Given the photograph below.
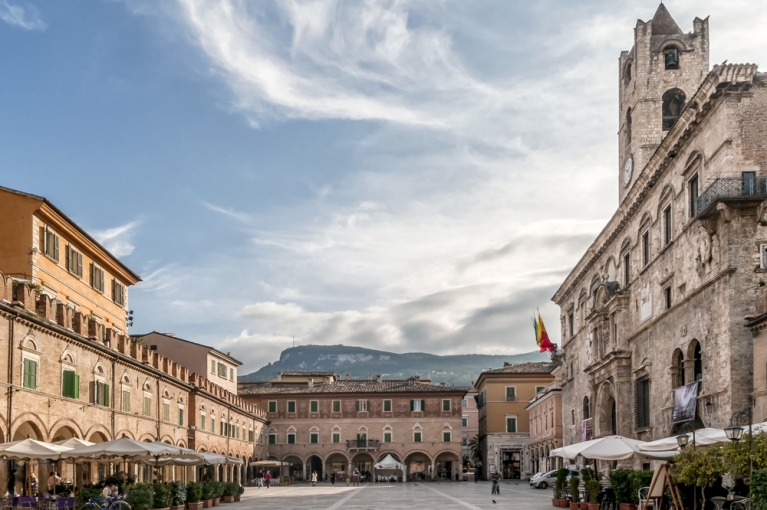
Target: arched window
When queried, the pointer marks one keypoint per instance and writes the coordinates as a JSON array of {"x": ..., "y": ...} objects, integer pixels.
[
  {"x": 671, "y": 57},
  {"x": 586, "y": 408},
  {"x": 673, "y": 104},
  {"x": 627, "y": 72},
  {"x": 698, "y": 369},
  {"x": 677, "y": 369},
  {"x": 628, "y": 126}
]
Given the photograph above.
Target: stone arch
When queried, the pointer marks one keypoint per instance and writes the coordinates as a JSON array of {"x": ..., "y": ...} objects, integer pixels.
[
  {"x": 607, "y": 418},
  {"x": 99, "y": 369},
  {"x": 626, "y": 244},
  {"x": 28, "y": 424},
  {"x": 68, "y": 356},
  {"x": 31, "y": 343},
  {"x": 627, "y": 70},
  {"x": 344, "y": 454},
  {"x": 147, "y": 437},
  {"x": 166, "y": 439},
  {"x": 586, "y": 407},
  {"x": 695, "y": 359},
  {"x": 65, "y": 428},
  {"x": 125, "y": 379},
  {"x": 677, "y": 369},
  {"x": 695, "y": 158},
  {"x": 125, "y": 433},
  {"x": 181, "y": 443},
  {"x": 674, "y": 101}
]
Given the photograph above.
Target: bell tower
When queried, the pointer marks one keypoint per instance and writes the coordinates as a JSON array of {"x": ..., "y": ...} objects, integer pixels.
[{"x": 656, "y": 78}]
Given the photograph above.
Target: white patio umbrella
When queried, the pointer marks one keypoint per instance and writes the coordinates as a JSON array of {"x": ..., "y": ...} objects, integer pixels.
[
  {"x": 126, "y": 448},
  {"x": 703, "y": 437},
  {"x": 32, "y": 449},
  {"x": 73, "y": 443},
  {"x": 603, "y": 448}
]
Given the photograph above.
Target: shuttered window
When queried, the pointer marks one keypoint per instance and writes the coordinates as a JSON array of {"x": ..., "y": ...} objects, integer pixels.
[
  {"x": 147, "y": 406},
  {"x": 292, "y": 406},
  {"x": 511, "y": 424},
  {"x": 642, "y": 402},
  {"x": 314, "y": 438},
  {"x": 416, "y": 437},
  {"x": 387, "y": 437},
  {"x": 165, "y": 412},
  {"x": 417, "y": 405},
  {"x": 125, "y": 401},
  {"x": 387, "y": 406},
  {"x": 100, "y": 393},
  {"x": 202, "y": 422},
  {"x": 272, "y": 438},
  {"x": 118, "y": 292},
  {"x": 272, "y": 406},
  {"x": 511, "y": 394},
  {"x": 336, "y": 437},
  {"x": 336, "y": 406},
  {"x": 212, "y": 425},
  {"x": 74, "y": 262},
  {"x": 446, "y": 405},
  {"x": 314, "y": 406},
  {"x": 50, "y": 244},
  {"x": 291, "y": 439},
  {"x": 97, "y": 278},
  {"x": 71, "y": 388},
  {"x": 363, "y": 405},
  {"x": 446, "y": 437},
  {"x": 29, "y": 378},
  {"x": 181, "y": 416}
]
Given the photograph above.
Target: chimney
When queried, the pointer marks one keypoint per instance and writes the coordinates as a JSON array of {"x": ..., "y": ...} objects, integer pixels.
[
  {"x": 279, "y": 376},
  {"x": 169, "y": 334},
  {"x": 379, "y": 378},
  {"x": 311, "y": 382},
  {"x": 348, "y": 377},
  {"x": 442, "y": 384},
  {"x": 506, "y": 364}
]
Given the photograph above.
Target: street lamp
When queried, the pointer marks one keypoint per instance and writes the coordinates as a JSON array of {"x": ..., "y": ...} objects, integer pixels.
[
  {"x": 734, "y": 431},
  {"x": 683, "y": 439}
]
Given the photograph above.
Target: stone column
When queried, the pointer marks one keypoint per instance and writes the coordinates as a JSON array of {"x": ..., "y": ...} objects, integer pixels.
[
  {"x": 349, "y": 470},
  {"x": 303, "y": 469},
  {"x": 433, "y": 469}
]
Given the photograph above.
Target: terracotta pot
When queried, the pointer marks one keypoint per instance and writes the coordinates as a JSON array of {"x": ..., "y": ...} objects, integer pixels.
[
  {"x": 593, "y": 506},
  {"x": 554, "y": 502},
  {"x": 237, "y": 497},
  {"x": 177, "y": 507},
  {"x": 629, "y": 506},
  {"x": 207, "y": 503},
  {"x": 584, "y": 505},
  {"x": 216, "y": 501},
  {"x": 228, "y": 499},
  {"x": 193, "y": 506},
  {"x": 575, "y": 506}
]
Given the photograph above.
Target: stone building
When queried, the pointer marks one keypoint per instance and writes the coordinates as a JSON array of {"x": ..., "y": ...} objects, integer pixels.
[
  {"x": 545, "y": 410},
  {"x": 68, "y": 366},
  {"x": 320, "y": 422},
  {"x": 658, "y": 299},
  {"x": 757, "y": 324},
  {"x": 504, "y": 420},
  {"x": 469, "y": 421}
]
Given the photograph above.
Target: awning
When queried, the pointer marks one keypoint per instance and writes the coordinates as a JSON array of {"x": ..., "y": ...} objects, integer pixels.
[{"x": 603, "y": 448}]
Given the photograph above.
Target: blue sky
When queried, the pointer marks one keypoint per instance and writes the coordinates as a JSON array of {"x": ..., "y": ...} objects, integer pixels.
[{"x": 402, "y": 175}]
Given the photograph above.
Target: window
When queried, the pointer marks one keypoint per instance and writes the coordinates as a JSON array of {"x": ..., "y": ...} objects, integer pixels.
[
  {"x": 363, "y": 405},
  {"x": 51, "y": 244},
  {"x": 231, "y": 374},
  {"x": 417, "y": 405},
  {"x": 646, "y": 248},
  {"x": 291, "y": 438},
  {"x": 97, "y": 278},
  {"x": 165, "y": 411},
  {"x": 291, "y": 406},
  {"x": 222, "y": 370},
  {"x": 251, "y": 436},
  {"x": 446, "y": 436},
  {"x": 465, "y": 440},
  {"x": 314, "y": 406},
  {"x": 749, "y": 183},
  {"x": 692, "y": 192},
  {"x": 212, "y": 367},
  {"x": 511, "y": 424},
  {"x": 118, "y": 292},
  {"x": 667, "y": 225},
  {"x": 626, "y": 269},
  {"x": 314, "y": 438},
  {"x": 445, "y": 405},
  {"x": 362, "y": 440},
  {"x": 673, "y": 105},
  {"x": 202, "y": 422},
  {"x": 125, "y": 401},
  {"x": 671, "y": 57},
  {"x": 511, "y": 394},
  {"x": 181, "y": 416},
  {"x": 212, "y": 425},
  {"x": 465, "y": 403},
  {"x": 387, "y": 406},
  {"x": 417, "y": 437},
  {"x": 642, "y": 402},
  {"x": 539, "y": 389},
  {"x": 667, "y": 296},
  {"x": 272, "y": 406},
  {"x": 336, "y": 437},
  {"x": 74, "y": 262},
  {"x": 71, "y": 386},
  {"x": 464, "y": 421},
  {"x": 571, "y": 323},
  {"x": 336, "y": 406},
  {"x": 100, "y": 393},
  {"x": 147, "y": 406},
  {"x": 272, "y": 438}
]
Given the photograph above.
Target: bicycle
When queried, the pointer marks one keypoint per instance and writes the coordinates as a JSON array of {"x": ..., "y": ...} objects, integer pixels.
[{"x": 100, "y": 503}]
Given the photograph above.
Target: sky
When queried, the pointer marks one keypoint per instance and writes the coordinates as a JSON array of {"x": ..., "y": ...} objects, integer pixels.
[{"x": 399, "y": 175}]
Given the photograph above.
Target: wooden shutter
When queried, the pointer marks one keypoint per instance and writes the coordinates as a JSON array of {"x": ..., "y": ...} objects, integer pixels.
[
  {"x": 642, "y": 402},
  {"x": 101, "y": 281},
  {"x": 358, "y": 406},
  {"x": 80, "y": 265},
  {"x": 77, "y": 386},
  {"x": 367, "y": 405},
  {"x": 93, "y": 275},
  {"x": 69, "y": 383},
  {"x": 92, "y": 390},
  {"x": 56, "y": 247},
  {"x": 106, "y": 395},
  {"x": 114, "y": 291},
  {"x": 412, "y": 405},
  {"x": 423, "y": 406}
]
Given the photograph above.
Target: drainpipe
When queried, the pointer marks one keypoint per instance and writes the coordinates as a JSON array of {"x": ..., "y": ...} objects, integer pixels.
[
  {"x": 113, "y": 401},
  {"x": 159, "y": 379},
  {"x": 11, "y": 341}
]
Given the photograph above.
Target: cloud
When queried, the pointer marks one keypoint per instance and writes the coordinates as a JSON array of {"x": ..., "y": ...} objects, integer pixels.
[
  {"x": 26, "y": 17},
  {"x": 118, "y": 239}
]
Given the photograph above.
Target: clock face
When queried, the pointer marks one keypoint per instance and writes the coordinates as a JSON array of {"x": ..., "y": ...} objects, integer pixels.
[{"x": 627, "y": 169}]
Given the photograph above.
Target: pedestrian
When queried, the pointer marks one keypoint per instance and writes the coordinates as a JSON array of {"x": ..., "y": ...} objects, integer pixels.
[
  {"x": 314, "y": 478},
  {"x": 476, "y": 474},
  {"x": 12, "y": 483},
  {"x": 53, "y": 481},
  {"x": 33, "y": 484},
  {"x": 356, "y": 477},
  {"x": 347, "y": 480},
  {"x": 496, "y": 483},
  {"x": 260, "y": 479},
  {"x": 267, "y": 479},
  {"x": 333, "y": 478}
]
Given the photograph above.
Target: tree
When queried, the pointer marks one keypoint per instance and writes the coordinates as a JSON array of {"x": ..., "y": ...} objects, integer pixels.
[
  {"x": 475, "y": 448},
  {"x": 697, "y": 467}
]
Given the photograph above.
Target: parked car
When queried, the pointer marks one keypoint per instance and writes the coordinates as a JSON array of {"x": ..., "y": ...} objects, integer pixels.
[{"x": 546, "y": 480}]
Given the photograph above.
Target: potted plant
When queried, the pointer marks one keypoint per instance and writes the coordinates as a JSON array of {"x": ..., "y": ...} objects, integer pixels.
[
  {"x": 620, "y": 479},
  {"x": 557, "y": 494},
  {"x": 561, "y": 483},
  {"x": 208, "y": 493},
  {"x": 575, "y": 495},
  {"x": 229, "y": 490},
  {"x": 240, "y": 492},
  {"x": 85, "y": 493},
  {"x": 592, "y": 493},
  {"x": 193, "y": 496},
  {"x": 177, "y": 495},
  {"x": 140, "y": 496},
  {"x": 218, "y": 490},
  {"x": 160, "y": 496},
  {"x": 637, "y": 480}
]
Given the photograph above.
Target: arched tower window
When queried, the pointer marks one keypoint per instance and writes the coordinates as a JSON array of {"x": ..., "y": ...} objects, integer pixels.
[
  {"x": 586, "y": 408},
  {"x": 673, "y": 104},
  {"x": 628, "y": 126},
  {"x": 677, "y": 369},
  {"x": 627, "y": 72},
  {"x": 671, "y": 57},
  {"x": 697, "y": 356}
]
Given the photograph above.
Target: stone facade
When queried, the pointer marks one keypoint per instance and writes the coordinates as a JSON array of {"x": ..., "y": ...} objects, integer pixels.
[
  {"x": 545, "y": 410},
  {"x": 657, "y": 301},
  {"x": 469, "y": 420},
  {"x": 336, "y": 425}
]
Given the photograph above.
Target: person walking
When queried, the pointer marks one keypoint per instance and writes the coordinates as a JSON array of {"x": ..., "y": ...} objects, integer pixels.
[
  {"x": 314, "y": 478},
  {"x": 267, "y": 479},
  {"x": 476, "y": 474},
  {"x": 356, "y": 477},
  {"x": 260, "y": 479},
  {"x": 496, "y": 483},
  {"x": 333, "y": 478}
]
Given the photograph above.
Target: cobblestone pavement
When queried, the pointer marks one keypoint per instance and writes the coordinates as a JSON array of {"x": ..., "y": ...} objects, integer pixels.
[{"x": 410, "y": 496}]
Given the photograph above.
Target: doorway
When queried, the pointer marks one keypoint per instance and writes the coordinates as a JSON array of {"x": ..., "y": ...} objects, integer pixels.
[{"x": 512, "y": 464}]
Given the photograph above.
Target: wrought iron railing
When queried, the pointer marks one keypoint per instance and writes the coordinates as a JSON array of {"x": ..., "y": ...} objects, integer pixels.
[
  {"x": 362, "y": 444},
  {"x": 732, "y": 188}
]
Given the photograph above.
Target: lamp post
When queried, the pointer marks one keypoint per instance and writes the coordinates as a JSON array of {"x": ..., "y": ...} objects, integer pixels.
[
  {"x": 683, "y": 439},
  {"x": 734, "y": 431}
]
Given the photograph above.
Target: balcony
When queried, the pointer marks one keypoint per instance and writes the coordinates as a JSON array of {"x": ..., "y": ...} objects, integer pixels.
[
  {"x": 363, "y": 444},
  {"x": 743, "y": 188}
]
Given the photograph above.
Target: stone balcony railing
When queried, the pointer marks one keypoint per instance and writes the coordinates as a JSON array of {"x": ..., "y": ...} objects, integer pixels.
[
  {"x": 368, "y": 444},
  {"x": 745, "y": 187}
]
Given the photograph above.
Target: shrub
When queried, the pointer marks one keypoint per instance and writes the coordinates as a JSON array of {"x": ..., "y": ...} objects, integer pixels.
[
  {"x": 240, "y": 489},
  {"x": 639, "y": 479},
  {"x": 229, "y": 489},
  {"x": 758, "y": 490},
  {"x": 559, "y": 485},
  {"x": 194, "y": 492},
  {"x": 85, "y": 493},
  {"x": 575, "y": 496},
  {"x": 177, "y": 493},
  {"x": 121, "y": 479},
  {"x": 208, "y": 490},
  {"x": 161, "y": 495},
  {"x": 592, "y": 491},
  {"x": 140, "y": 496},
  {"x": 621, "y": 482},
  {"x": 218, "y": 489}
]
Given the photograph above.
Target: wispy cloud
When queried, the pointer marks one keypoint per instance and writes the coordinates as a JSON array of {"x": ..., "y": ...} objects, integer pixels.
[
  {"x": 118, "y": 239},
  {"x": 228, "y": 211},
  {"x": 26, "y": 16}
]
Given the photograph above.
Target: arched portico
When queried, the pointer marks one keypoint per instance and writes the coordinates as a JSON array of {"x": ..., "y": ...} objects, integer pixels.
[
  {"x": 419, "y": 465},
  {"x": 338, "y": 462},
  {"x": 447, "y": 465}
]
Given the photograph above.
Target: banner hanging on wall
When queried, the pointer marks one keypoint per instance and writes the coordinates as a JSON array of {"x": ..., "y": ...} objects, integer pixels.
[{"x": 685, "y": 403}]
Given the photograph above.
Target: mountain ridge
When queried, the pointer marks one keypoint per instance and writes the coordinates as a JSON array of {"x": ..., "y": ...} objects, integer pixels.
[{"x": 364, "y": 363}]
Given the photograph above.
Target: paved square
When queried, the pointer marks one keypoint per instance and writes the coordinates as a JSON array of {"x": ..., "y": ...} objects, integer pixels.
[{"x": 410, "y": 496}]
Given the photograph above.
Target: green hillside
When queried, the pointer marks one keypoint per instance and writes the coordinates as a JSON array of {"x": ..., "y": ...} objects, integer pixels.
[{"x": 360, "y": 362}]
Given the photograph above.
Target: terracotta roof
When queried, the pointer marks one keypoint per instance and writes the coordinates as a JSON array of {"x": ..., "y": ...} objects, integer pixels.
[
  {"x": 307, "y": 374},
  {"x": 531, "y": 367},
  {"x": 351, "y": 386},
  {"x": 663, "y": 23}
]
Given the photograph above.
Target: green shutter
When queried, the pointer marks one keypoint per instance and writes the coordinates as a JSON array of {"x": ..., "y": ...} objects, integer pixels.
[
  {"x": 77, "y": 387},
  {"x": 423, "y": 406},
  {"x": 412, "y": 405},
  {"x": 358, "y": 405},
  {"x": 368, "y": 406},
  {"x": 30, "y": 374},
  {"x": 69, "y": 384},
  {"x": 106, "y": 395}
]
